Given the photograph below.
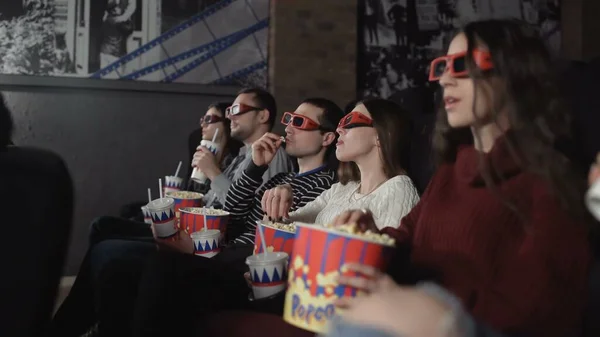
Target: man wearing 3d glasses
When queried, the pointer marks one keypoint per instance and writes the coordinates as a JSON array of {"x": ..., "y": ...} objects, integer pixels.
[
  {"x": 252, "y": 114},
  {"x": 183, "y": 288}
]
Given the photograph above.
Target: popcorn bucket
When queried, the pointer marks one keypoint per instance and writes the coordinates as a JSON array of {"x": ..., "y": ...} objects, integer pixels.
[
  {"x": 206, "y": 242},
  {"x": 267, "y": 273},
  {"x": 185, "y": 199},
  {"x": 320, "y": 255},
  {"x": 192, "y": 219},
  {"x": 172, "y": 184},
  {"x": 163, "y": 217},
  {"x": 277, "y": 238}
]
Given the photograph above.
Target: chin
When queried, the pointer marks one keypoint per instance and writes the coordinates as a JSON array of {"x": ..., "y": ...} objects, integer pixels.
[
  {"x": 457, "y": 122},
  {"x": 341, "y": 156}
]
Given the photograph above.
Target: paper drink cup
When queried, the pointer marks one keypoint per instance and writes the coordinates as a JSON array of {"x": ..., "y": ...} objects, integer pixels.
[
  {"x": 172, "y": 184},
  {"x": 267, "y": 273},
  {"x": 147, "y": 215},
  {"x": 213, "y": 147},
  {"x": 206, "y": 242},
  {"x": 163, "y": 217}
]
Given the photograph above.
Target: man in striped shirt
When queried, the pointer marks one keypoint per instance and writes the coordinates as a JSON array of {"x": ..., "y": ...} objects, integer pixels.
[
  {"x": 184, "y": 288},
  {"x": 304, "y": 140}
]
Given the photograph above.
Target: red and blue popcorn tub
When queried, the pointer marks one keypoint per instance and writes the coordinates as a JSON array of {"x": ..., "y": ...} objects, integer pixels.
[
  {"x": 185, "y": 199},
  {"x": 192, "y": 219},
  {"x": 319, "y": 256},
  {"x": 277, "y": 239}
]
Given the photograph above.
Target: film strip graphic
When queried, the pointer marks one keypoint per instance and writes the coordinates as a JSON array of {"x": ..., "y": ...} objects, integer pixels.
[{"x": 203, "y": 53}]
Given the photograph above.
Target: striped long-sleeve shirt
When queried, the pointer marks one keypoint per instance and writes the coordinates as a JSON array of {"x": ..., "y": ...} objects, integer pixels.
[{"x": 243, "y": 200}]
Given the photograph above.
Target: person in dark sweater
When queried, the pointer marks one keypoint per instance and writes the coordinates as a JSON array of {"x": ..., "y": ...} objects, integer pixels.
[
  {"x": 176, "y": 280},
  {"x": 502, "y": 224}
]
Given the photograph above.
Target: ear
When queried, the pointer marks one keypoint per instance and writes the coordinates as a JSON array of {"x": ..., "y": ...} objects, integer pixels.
[
  {"x": 328, "y": 139},
  {"x": 263, "y": 116}
]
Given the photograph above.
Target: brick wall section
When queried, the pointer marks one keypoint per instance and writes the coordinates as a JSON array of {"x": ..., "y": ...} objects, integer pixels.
[{"x": 312, "y": 50}]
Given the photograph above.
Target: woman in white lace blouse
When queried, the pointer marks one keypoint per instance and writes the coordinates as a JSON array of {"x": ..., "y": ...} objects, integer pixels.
[{"x": 373, "y": 149}]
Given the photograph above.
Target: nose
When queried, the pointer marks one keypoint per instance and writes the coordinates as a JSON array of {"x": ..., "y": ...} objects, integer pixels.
[
  {"x": 289, "y": 128},
  {"x": 446, "y": 79},
  {"x": 340, "y": 131}
]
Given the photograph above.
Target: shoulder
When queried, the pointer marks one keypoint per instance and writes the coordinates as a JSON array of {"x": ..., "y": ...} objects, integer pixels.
[
  {"x": 400, "y": 183},
  {"x": 318, "y": 180},
  {"x": 325, "y": 178}
]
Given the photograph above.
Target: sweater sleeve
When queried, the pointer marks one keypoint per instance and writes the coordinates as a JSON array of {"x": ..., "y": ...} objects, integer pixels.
[
  {"x": 544, "y": 269},
  {"x": 308, "y": 213}
]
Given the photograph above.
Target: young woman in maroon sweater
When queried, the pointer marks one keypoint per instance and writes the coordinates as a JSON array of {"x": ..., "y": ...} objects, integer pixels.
[{"x": 502, "y": 222}]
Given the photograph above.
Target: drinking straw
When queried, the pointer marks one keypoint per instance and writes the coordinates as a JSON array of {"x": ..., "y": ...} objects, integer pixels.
[
  {"x": 262, "y": 239},
  {"x": 160, "y": 191},
  {"x": 149, "y": 195},
  {"x": 178, "y": 168},
  {"x": 215, "y": 136},
  {"x": 204, "y": 213}
]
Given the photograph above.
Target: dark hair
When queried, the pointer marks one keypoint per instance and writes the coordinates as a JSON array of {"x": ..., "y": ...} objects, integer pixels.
[
  {"x": 394, "y": 127},
  {"x": 264, "y": 100},
  {"x": 350, "y": 106},
  {"x": 233, "y": 146},
  {"x": 329, "y": 119},
  {"x": 537, "y": 115},
  {"x": 6, "y": 124}
]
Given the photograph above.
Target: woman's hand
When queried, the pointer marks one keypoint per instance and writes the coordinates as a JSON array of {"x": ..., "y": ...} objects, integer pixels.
[
  {"x": 362, "y": 218},
  {"x": 370, "y": 281},
  {"x": 406, "y": 311}
]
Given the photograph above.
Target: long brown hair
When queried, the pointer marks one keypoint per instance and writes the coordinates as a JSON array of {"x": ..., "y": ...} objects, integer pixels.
[
  {"x": 393, "y": 126},
  {"x": 537, "y": 116}
]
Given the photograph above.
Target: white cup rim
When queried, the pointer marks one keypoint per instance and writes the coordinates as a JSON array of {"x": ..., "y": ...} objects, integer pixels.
[
  {"x": 272, "y": 258},
  {"x": 152, "y": 205},
  {"x": 205, "y": 233}
]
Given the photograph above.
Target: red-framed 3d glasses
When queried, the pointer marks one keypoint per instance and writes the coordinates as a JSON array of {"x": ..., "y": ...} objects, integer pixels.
[
  {"x": 240, "y": 109},
  {"x": 456, "y": 64},
  {"x": 210, "y": 119},
  {"x": 301, "y": 122},
  {"x": 355, "y": 119}
]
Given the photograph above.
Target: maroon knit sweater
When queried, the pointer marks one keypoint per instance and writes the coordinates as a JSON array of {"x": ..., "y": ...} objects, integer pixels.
[{"x": 527, "y": 277}]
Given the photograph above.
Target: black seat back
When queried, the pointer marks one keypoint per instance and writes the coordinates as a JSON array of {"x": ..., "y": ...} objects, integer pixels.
[{"x": 36, "y": 210}]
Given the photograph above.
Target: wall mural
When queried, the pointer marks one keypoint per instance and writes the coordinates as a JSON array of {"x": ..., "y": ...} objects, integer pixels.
[
  {"x": 401, "y": 37},
  {"x": 183, "y": 41}
]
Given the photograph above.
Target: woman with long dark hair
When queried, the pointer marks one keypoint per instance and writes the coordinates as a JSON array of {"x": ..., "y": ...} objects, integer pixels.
[
  {"x": 373, "y": 149},
  {"x": 502, "y": 224}
]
